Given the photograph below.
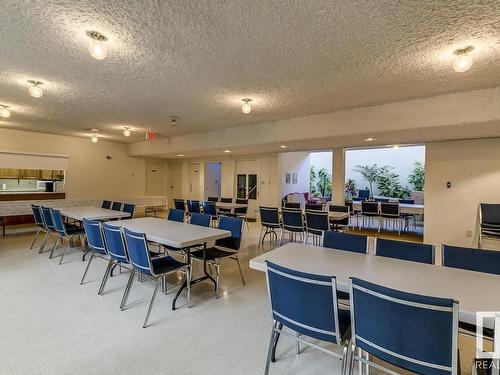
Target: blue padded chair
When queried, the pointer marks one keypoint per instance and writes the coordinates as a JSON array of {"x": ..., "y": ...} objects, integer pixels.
[
  {"x": 412, "y": 251},
  {"x": 64, "y": 232},
  {"x": 363, "y": 194},
  {"x": 225, "y": 211},
  {"x": 106, "y": 204},
  {"x": 414, "y": 332},
  {"x": 307, "y": 304},
  {"x": 193, "y": 206},
  {"x": 129, "y": 208},
  {"x": 487, "y": 261},
  {"x": 293, "y": 222},
  {"x": 154, "y": 269},
  {"x": 180, "y": 204},
  {"x": 203, "y": 220},
  {"x": 115, "y": 246},
  {"x": 292, "y": 205},
  {"x": 340, "y": 223},
  {"x": 270, "y": 221},
  {"x": 95, "y": 242},
  {"x": 209, "y": 208},
  {"x": 224, "y": 248},
  {"x": 489, "y": 221},
  {"x": 316, "y": 223},
  {"x": 175, "y": 215},
  {"x": 315, "y": 206},
  {"x": 369, "y": 211},
  {"x": 40, "y": 225},
  {"x": 345, "y": 241},
  {"x": 407, "y": 201},
  {"x": 49, "y": 225},
  {"x": 242, "y": 211},
  {"x": 213, "y": 199},
  {"x": 116, "y": 206}
]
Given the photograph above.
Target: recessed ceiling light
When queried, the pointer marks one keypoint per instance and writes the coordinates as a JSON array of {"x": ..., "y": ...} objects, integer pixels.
[
  {"x": 35, "y": 90},
  {"x": 395, "y": 147},
  {"x": 246, "y": 107},
  {"x": 283, "y": 146},
  {"x": 126, "y": 132},
  {"x": 94, "y": 138},
  {"x": 180, "y": 155},
  {"x": 464, "y": 60},
  {"x": 4, "y": 112},
  {"x": 227, "y": 151},
  {"x": 97, "y": 49},
  {"x": 369, "y": 139}
]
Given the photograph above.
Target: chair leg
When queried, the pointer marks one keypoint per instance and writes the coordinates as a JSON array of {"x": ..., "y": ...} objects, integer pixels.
[
  {"x": 269, "y": 351},
  {"x": 127, "y": 290},
  {"x": 217, "y": 279},
  {"x": 64, "y": 251},
  {"x": 105, "y": 277},
  {"x": 246, "y": 222},
  {"x": 297, "y": 345},
  {"x": 34, "y": 239},
  {"x": 55, "y": 246},
  {"x": 281, "y": 237},
  {"x": 151, "y": 304},
  {"x": 188, "y": 277},
  {"x": 239, "y": 268},
  {"x": 45, "y": 239},
  {"x": 87, "y": 268},
  {"x": 260, "y": 236}
]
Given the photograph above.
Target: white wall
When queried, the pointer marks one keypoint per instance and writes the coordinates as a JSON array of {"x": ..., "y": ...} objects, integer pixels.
[
  {"x": 402, "y": 159},
  {"x": 294, "y": 162},
  {"x": 473, "y": 168},
  {"x": 89, "y": 174}
]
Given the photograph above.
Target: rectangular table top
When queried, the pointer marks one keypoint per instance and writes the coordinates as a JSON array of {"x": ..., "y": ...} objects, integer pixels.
[
  {"x": 475, "y": 291},
  {"x": 92, "y": 213},
  {"x": 172, "y": 233},
  {"x": 404, "y": 208},
  {"x": 229, "y": 205}
]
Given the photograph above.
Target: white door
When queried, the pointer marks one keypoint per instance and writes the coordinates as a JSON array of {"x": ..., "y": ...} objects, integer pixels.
[
  {"x": 175, "y": 183},
  {"x": 154, "y": 179},
  {"x": 212, "y": 179},
  {"x": 194, "y": 181},
  {"x": 247, "y": 184}
]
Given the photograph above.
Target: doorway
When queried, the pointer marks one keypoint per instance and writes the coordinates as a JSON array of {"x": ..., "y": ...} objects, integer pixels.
[
  {"x": 154, "y": 179},
  {"x": 194, "y": 181},
  {"x": 247, "y": 184},
  {"x": 212, "y": 179}
]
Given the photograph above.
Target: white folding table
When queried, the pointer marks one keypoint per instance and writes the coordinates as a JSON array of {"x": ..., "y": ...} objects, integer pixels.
[
  {"x": 475, "y": 291},
  {"x": 91, "y": 213},
  {"x": 229, "y": 205},
  {"x": 178, "y": 235}
]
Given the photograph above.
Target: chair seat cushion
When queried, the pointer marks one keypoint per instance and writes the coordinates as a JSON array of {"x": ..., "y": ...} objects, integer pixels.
[
  {"x": 166, "y": 264},
  {"x": 212, "y": 253},
  {"x": 73, "y": 229}
]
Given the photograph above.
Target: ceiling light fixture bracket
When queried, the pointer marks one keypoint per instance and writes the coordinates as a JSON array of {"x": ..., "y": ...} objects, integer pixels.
[
  {"x": 96, "y": 36},
  {"x": 463, "y": 51}
]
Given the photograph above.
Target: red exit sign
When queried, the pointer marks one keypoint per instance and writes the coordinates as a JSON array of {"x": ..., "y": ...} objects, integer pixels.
[{"x": 151, "y": 135}]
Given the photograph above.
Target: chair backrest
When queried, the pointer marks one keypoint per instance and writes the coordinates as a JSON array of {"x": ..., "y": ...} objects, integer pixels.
[
  {"x": 314, "y": 206},
  {"x": 106, "y": 204},
  {"x": 235, "y": 226},
  {"x": 490, "y": 213},
  {"x": 129, "y": 208},
  {"x": 241, "y": 210},
  {"x": 203, "y": 220},
  {"x": 175, "y": 214},
  {"x": 47, "y": 218},
  {"x": 209, "y": 208},
  {"x": 269, "y": 216},
  {"x": 407, "y": 201},
  {"x": 37, "y": 215},
  {"x": 180, "y": 204},
  {"x": 114, "y": 243},
  {"x": 226, "y": 200},
  {"x": 116, "y": 206},
  {"x": 384, "y": 200},
  {"x": 349, "y": 204},
  {"x": 335, "y": 208},
  {"x": 213, "y": 199},
  {"x": 412, "y": 251},
  {"x": 471, "y": 259},
  {"x": 389, "y": 209},
  {"x": 193, "y": 206},
  {"x": 57, "y": 221},
  {"x": 363, "y": 194},
  {"x": 292, "y": 205},
  {"x": 415, "y": 332},
  {"x": 303, "y": 302},
  {"x": 292, "y": 219},
  {"x": 138, "y": 251},
  {"x": 369, "y": 207},
  {"x": 345, "y": 241},
  {"x": 317, "y": 221},
  {"x": 94, "y": 235}
]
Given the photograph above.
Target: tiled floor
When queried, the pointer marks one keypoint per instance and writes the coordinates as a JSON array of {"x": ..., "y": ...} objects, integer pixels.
[{"x": 49, "y": 324}]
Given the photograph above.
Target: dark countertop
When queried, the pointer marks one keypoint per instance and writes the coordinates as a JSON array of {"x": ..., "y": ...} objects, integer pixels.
[{"x": 30, "y": 195}]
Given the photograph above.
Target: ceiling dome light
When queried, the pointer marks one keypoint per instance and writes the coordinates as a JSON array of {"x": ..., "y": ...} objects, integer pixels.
[
  {"x": 126, "y": 132},
  {"x": 94, "y": 138},
  {"x": 464, "y": 60},
  {"x": 246, "y": 107},
  {"x": 4, "y": 112},
  {"x": 97, "y": 48},
  {"x": 395, "y": 147},
  {"x": 283, "y": 146},
  {"x": 227, "y": 151},
  {"x": 35, "y": 90}
]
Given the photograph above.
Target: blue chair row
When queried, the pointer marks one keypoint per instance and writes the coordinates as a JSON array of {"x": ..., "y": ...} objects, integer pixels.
[
  {"x": 50, "y": 221},
  {"x": 118, "y": 206},
  {"x": 414, "y": 332}
]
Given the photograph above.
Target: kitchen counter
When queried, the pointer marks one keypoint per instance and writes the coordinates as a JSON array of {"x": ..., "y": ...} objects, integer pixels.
[{"x": 30, "y": 195}]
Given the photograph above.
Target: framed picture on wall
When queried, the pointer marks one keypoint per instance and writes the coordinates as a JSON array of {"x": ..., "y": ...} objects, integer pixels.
[
  {"x": 288, "y": 178},
  {"x": 295, "y": 178}
]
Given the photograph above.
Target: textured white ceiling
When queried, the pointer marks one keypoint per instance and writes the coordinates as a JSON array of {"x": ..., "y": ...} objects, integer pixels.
[{"x": 197, "y": 59}]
